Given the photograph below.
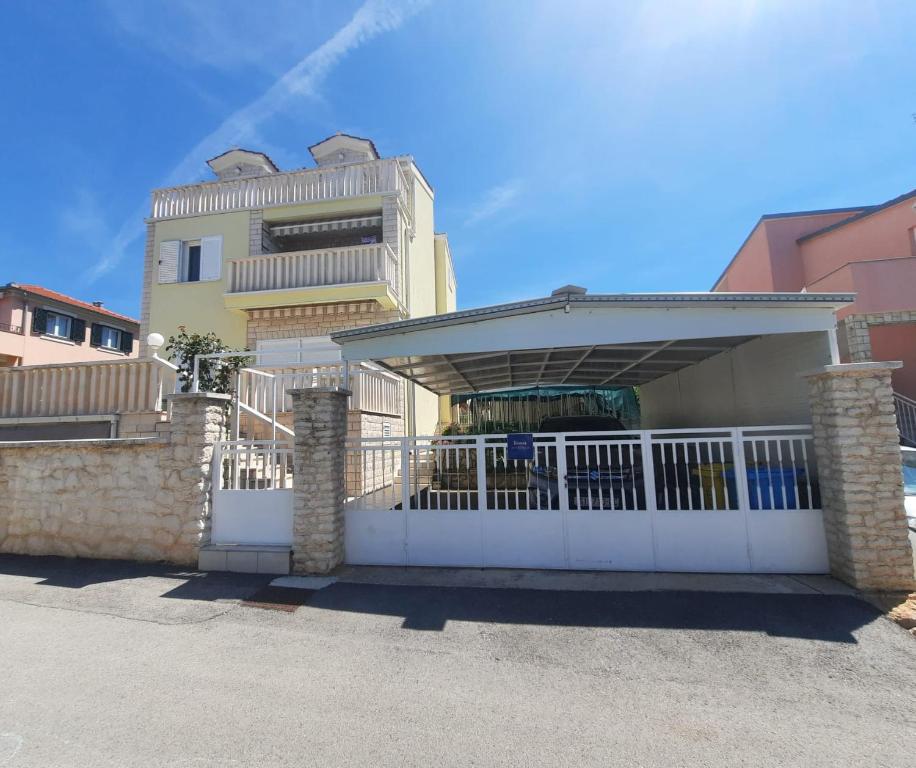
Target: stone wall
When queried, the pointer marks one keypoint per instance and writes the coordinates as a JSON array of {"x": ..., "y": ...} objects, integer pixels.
[
  {"x": 858, "y": 456},
  {"x": 143, "y": 424},
  {"x": 371, "y": 471},
  {"x": 146, "y": 290},
  {"x": 320, "y": 478},
  {"x": 854, "y": 331},
  {"x": 136, "y": 499}
]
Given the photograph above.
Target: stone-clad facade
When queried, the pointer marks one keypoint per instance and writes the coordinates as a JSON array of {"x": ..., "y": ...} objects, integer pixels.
[
  {"x": 314, "y": 320},
  {"x": 319, "y": 469},
  {"x": 137, "y": 499},
  {"x": 858, "y": 456}
]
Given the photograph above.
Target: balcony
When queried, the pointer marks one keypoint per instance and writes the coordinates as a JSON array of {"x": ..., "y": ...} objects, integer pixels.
[
  {"x": 378, "y": 177},
  {"x": 360, "y": 272},
  {"x": 12, "y": 343}
]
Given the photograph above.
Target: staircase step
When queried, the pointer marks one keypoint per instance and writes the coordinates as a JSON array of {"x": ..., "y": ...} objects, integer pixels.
[{"x": 245, "y": 558}]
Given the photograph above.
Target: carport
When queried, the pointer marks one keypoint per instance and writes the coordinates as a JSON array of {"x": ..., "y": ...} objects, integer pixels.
[{"x": 721, "y": 476}]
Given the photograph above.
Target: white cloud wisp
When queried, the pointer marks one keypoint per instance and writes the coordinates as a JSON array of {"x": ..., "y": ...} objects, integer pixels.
[{"x": 373, "y": 18}]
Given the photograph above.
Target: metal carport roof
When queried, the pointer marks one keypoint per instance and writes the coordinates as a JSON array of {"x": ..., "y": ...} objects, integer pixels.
[{"x": 574, "y": 338}]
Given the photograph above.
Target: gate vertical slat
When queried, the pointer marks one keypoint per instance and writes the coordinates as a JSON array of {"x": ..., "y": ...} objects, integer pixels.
[
  {"x": 562, "y": 492},
  {"x": 648, "y": 479},
  {"x": 405, "y": 475},
  {"x": 741, "y": 485},
  {"x": 480, "y": 447}
]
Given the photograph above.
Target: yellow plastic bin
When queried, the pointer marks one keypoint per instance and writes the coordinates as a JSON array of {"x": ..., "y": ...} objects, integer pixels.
[{"x": 712, "y": 484}]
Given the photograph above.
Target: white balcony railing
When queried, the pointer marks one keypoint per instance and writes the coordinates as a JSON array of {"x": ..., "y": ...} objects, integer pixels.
[
  {"x": 306, "y": 186},
  {"x": 374, "y": 390},
  {"x": 906, "y": 418},
  {"x": 306, "y": 269},
  {"x": 84, "y": 389}
]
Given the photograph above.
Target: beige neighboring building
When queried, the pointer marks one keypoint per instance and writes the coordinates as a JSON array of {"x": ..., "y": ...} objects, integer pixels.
[
  {"x": 274, "y": 261},
  {"x": 39, "y": 326}
]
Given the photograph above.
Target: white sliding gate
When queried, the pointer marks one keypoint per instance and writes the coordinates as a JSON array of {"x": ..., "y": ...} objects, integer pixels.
[
  {"x": 728, "y": 500},
  {"x": 252, "y": 492}
]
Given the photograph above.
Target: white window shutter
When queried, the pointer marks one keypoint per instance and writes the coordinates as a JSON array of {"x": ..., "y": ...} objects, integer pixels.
[
  {"x": 211, "y": 257},
  {"x": 168, "y": 260}
]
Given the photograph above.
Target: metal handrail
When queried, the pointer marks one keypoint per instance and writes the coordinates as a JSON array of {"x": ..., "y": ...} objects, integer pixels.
[
  {"x": 906, "y": 417},
  {"x": 17, "y": 329}
]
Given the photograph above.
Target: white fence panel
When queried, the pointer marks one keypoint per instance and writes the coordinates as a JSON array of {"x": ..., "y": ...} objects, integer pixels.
[
  {"x": 708, "y": 500},
  {"x": 785, "y": 522}
]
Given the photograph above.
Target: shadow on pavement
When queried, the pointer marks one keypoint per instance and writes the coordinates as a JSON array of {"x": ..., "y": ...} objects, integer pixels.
[
  {"x": 831, "y": 618},
  {"x": 77, "y": 573}
]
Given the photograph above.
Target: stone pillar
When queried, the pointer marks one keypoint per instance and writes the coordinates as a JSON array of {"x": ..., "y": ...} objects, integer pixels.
[
  {"x": 198, "y": 423},
  {"x": 319, "y": 478},
  {"x": 858, "y": 458}
]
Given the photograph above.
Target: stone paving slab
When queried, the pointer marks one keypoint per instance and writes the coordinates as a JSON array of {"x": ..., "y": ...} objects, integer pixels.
[{"x": 592, "y": 581}]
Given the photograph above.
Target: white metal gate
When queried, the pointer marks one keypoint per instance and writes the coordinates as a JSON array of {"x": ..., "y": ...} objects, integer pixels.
[
  {"x": 252, "y": 493},
  {"x": 728, "y": 500}
]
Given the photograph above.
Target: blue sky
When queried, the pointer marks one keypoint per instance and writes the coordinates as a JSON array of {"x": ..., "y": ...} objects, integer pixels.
[{"x": 617, "y": 145}]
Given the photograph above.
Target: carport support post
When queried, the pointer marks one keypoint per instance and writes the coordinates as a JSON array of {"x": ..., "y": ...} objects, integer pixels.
[
  {"x": 319, "y": 478},
  {"x": 858, "y": 459}
]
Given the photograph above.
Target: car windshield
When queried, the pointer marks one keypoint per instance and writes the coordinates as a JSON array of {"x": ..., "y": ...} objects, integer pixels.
[{"x": 909, "y": 472}]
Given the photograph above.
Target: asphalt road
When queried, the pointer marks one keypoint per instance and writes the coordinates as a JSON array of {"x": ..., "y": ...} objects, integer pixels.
[{"x": 117, "y": 665}]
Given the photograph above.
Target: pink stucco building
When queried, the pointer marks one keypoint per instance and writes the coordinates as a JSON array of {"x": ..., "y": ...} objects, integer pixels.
[
  {"x": 870, "y": 250},
  {"x": 39, "y": 326}
]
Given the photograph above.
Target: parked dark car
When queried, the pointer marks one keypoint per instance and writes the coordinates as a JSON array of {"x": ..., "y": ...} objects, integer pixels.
[{"x": 605, "y": 477}]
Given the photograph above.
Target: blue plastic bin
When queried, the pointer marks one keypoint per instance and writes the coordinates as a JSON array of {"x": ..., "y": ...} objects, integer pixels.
[{"x": 777, "y": 487}]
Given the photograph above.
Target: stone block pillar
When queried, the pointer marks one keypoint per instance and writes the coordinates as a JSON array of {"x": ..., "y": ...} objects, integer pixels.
[
  {"x": 858, "y": 458},
  {"x": 319, "y": 478},
  {"x": 198, "y": 422}
]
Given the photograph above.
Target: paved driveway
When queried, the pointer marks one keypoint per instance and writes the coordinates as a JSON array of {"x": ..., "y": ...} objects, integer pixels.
[{"x": 119, "y": 665}]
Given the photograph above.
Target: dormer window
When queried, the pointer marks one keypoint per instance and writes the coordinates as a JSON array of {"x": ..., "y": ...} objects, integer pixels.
[
  {"x": 241, "y": 162},
  {"x": 341, "y": 148}
]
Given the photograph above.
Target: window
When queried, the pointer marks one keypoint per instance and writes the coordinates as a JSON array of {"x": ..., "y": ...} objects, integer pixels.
[
  {"x": 189, "y": 269},
  {"x": 191, "y": 261},
  {"x": 111, "y": 338},
  {"x": 57, "y": 325},
  {"x": 47, "y": 322}
]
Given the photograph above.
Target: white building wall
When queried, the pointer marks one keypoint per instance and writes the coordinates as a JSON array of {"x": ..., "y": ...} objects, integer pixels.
[
  {"x": 422, "y": 264},
  {"x": 757, "y": 383}
]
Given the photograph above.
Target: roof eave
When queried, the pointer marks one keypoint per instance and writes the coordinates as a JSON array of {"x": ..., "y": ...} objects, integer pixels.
[{"x": 776, "y": 300}]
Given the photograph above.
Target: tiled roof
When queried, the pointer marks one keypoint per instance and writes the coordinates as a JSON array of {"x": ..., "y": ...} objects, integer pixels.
[{"x": 47, "y": 293}]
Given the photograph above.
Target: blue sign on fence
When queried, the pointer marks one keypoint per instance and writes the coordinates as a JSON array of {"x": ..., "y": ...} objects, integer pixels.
[{"x": 520, "y": 447}]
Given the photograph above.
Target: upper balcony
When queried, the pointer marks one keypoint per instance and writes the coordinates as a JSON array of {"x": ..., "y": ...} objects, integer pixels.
[
  {"x": 315, "y": 277},
  {"x": 12, "y": 342},
  {"x": 375, "y": 177}
]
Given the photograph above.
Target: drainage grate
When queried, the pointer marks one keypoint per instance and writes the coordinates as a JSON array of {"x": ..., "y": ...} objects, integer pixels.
[{"x": 278, "y": 598}]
